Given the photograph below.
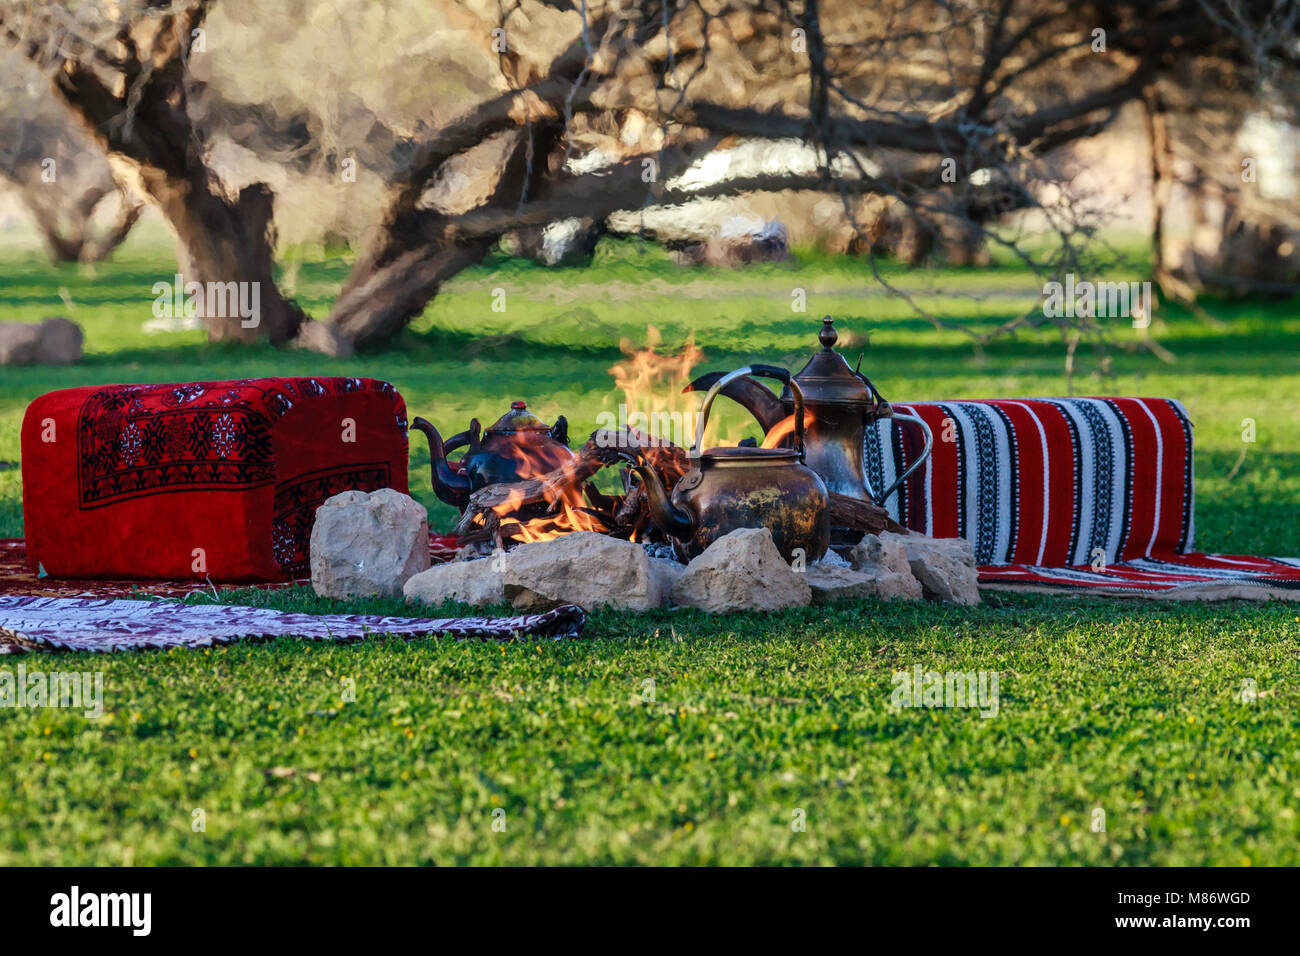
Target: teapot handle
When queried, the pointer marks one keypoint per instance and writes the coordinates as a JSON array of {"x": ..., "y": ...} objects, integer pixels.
[
  {"x": 920, "y": 459},
  {"x": 764, "y": 371}
]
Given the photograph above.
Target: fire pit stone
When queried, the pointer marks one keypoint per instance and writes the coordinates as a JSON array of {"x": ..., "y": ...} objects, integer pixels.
[
  {"x": 475, "y": 582},
  {"x": 880, "y": 553},
  {"x": 831, "y": 583},
  {"x": 368, "y": 544},
  {"x": 741, "y": 571},
  {"x": 583, "y": 568},
  {"x": 944, "y": 566}
]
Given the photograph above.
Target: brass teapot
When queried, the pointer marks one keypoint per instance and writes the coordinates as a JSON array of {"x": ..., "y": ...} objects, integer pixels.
[
  {"x": 518, "y": 445},
  {"x": 841, "y": 403},
  {"x": 744, "y": 487}
]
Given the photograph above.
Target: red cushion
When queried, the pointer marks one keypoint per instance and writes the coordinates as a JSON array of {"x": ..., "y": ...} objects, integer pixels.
[{"x": 217, "y": 480}]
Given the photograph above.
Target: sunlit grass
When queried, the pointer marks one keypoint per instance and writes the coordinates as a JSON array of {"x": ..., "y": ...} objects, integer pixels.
[{"x": 1134, "y": 710}]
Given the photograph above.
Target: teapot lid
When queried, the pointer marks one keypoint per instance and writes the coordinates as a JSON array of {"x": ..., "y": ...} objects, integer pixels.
[
  {"x": 518, "y": 419},
  {"x": 827, "y": 378}
]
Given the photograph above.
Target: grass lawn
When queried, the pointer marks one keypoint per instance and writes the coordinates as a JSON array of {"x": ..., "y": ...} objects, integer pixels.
[{"x": 755, "y": 722}]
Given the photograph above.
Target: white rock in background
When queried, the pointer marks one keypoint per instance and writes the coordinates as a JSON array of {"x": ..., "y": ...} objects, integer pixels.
[
  {"x": 944, "y": 566},
  {"x": 52, "y": 341},
  {"x": 741, "y": 571},
  {"x": 583, "y": 568},
  {"x": 832, "y": 558},
  {"x": 469, "y": 582},
  {"x": 364, "y": 545}
]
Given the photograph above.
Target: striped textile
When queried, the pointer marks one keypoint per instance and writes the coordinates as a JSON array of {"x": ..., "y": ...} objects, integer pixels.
[{"x": 1061, "y": 492}]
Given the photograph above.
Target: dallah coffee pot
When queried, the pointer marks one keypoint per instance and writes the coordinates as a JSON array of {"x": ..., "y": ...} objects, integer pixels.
[
  {"x": 518, "y": 445},
  {"x": 841, "y": 403}
]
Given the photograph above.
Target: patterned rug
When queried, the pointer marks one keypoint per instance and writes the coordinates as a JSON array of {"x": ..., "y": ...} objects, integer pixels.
[
  {"x": 1066, "y": 494},
  {"x": 1179, "y": 577},
  {"x": 84, "y": 624}
]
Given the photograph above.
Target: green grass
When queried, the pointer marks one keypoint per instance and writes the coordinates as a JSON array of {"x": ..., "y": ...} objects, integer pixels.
[{"x": 1127, "y": 707}]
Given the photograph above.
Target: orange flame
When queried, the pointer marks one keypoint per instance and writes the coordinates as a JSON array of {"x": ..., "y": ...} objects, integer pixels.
[
  {"x": 652, "y": 385},
  {"x": 784, "y": 428},
  {"x": 553, "y": 526},
  {"x": 568, "y": 519},
  {"x": 654, "y": 403}
]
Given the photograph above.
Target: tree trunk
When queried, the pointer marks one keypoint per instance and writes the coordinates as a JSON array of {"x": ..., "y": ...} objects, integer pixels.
[
  {"x": 382, "y": 298},
  {"x": 407, "y": 266},
  {"x": 135, "y": 107},
  {"x": 1162, "y": 186},
  {"x": 65, "y": 221},
  {"x": 228, "y": 242}
]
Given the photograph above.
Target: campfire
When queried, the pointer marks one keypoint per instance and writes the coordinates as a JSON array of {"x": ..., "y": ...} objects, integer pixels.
[
  {"x": 565, "y": 499},
  {"x": 518, "y": 481}
]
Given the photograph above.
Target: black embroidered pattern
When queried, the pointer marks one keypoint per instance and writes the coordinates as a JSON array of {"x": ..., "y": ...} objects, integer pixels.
[
  {"x": 137, "y": 440},
  {"x": 296, "y": 502},
  {"x": 987, "y": 483}
]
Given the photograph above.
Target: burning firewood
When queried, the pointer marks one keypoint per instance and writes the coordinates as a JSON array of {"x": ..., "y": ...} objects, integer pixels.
[
  {"x": 564, "y": 499},
  {"x": 864, "y": 516}
]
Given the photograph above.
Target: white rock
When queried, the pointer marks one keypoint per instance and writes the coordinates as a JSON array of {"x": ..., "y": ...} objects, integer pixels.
[
  {"x": 667, "y": 571},
  {"x": 364, "y": 545},
  {"x": 583, "y": 568},
  {"x": 831, "y": 583},
  {"x": 741, "y": 571},
  {"x": 876, "y": 553},
  {"x": 833, "y": 558},
  {"x": 469, "y": 582},
  {"x": 944, "y": 566},
  {"x": 52, "y": 341}
]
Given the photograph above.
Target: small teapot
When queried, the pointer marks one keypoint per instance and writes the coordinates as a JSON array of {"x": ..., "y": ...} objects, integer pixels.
[
  {"x": 744, "y": 487},
  {"x": 518, "y": 445}
]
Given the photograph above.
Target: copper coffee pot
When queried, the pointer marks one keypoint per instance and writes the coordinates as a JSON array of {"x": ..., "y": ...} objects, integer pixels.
[
  {"x": 740, "y": 487},
  {"x": 841, "y": 402}
]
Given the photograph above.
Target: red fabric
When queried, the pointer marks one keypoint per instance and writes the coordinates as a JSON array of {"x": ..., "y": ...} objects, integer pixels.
[
  {"x": 1163, "y": 572},
  {"x": 1071, "y": 493},
  {"x": 1046, "y": 482},
  {"x": 200, "y": 481}
]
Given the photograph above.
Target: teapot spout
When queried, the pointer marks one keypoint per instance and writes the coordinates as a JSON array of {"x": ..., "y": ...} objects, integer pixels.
[
  {"x": 749, "y": 394},
  {"x": 450, "y": 486},
  {"x": 673, "y": 521}
]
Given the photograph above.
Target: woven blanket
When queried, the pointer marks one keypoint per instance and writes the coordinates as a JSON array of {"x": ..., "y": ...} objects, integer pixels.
[
  {"x": 86, "y": 624},
  {"x": 200, "y": 481},
  {"x": 1065, "y": 493}
]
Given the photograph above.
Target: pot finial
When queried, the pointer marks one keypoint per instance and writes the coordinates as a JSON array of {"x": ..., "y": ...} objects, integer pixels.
[{"x": 828, "y": 336}]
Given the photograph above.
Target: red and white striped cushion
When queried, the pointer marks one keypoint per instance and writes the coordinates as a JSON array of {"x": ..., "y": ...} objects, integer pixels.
[{"x": 1100, "y": 486}]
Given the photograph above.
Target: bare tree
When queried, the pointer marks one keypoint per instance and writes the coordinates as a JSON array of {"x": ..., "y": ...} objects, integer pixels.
[
  {"x": 943, "y": 111},
  {"x": 1225, "y": 135},
  {"x": 122, "y": 70},
  {"x": 941, "y": 108},
  {"x": 63, "y": 179}
]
